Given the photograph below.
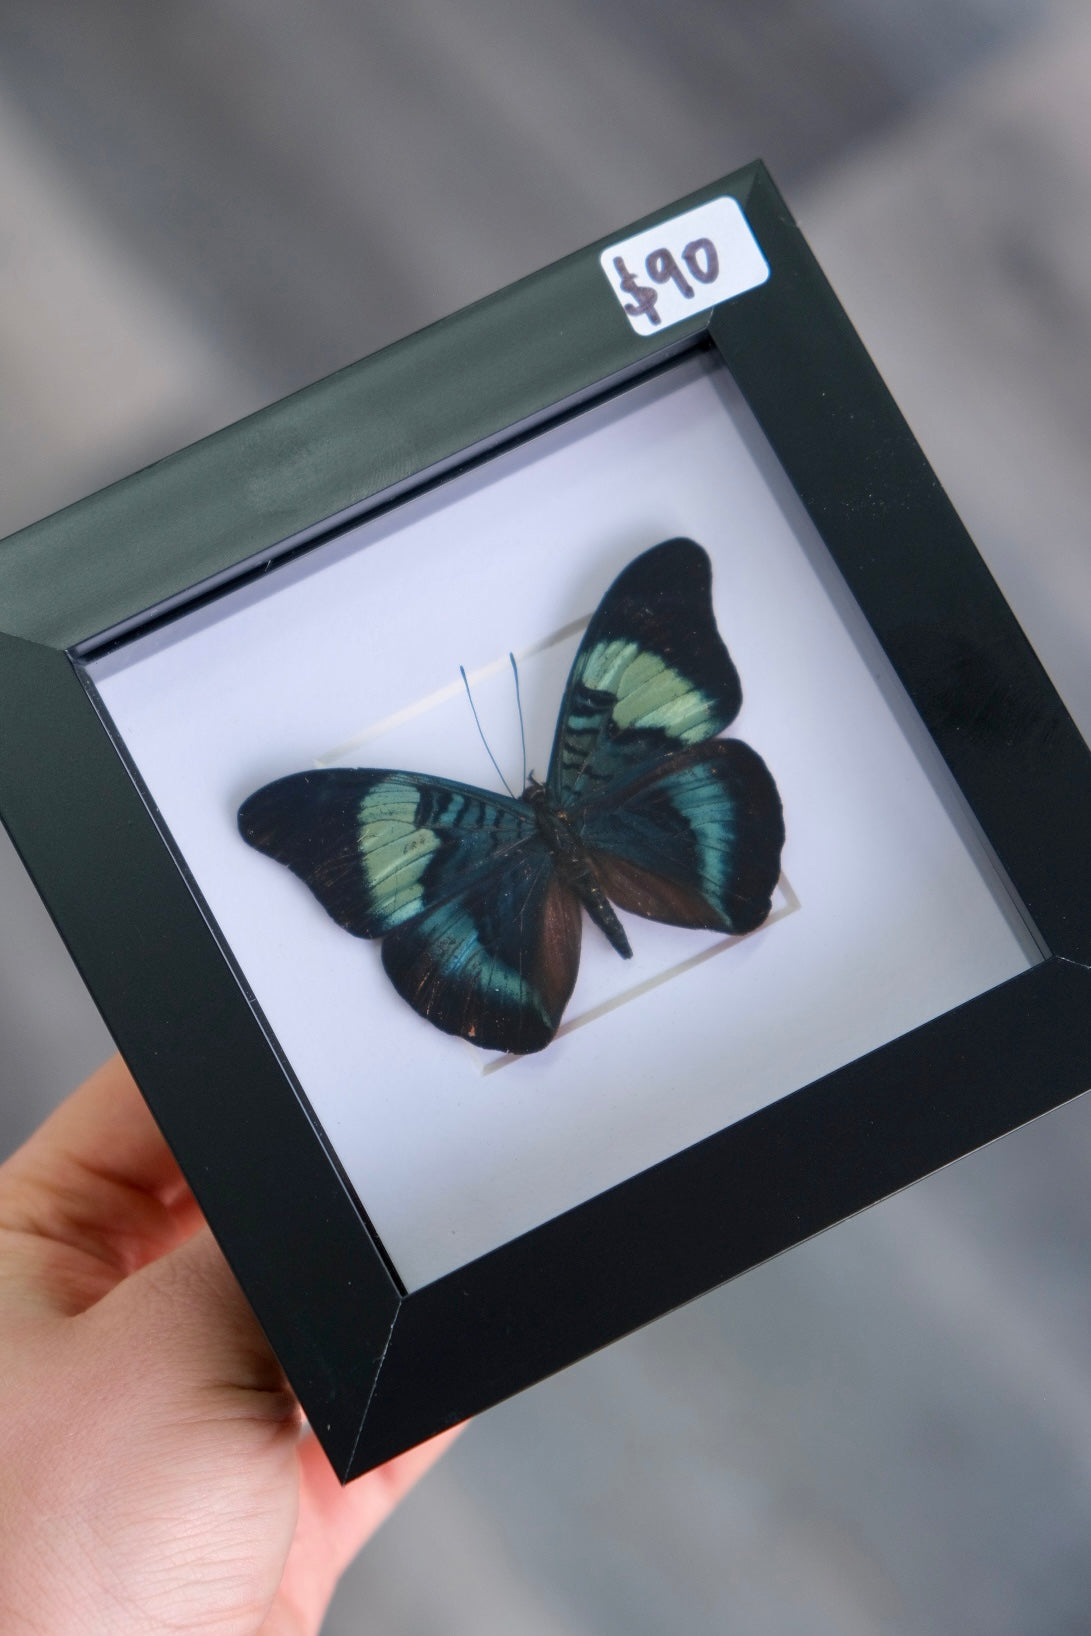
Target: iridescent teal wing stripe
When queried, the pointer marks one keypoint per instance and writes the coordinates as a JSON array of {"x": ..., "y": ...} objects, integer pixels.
[
  {"x": 497, "y": 963},
  {"x": 695, "y": 841},
  {"x": 651, "y": 676}
]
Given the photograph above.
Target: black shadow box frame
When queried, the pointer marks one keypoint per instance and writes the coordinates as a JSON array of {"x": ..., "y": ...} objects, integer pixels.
[{"x": 376, "y": 1368}]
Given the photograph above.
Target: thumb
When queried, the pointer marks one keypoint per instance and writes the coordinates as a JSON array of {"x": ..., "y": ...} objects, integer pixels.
[
  {"x": 192, "y": 1334},
  {"x": 165, "y": 1477}
]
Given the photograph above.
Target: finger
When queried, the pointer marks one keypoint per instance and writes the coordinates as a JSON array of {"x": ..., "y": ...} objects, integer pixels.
[
  {"x": 94, "y": 1194},
  {"x": 334, "y": 1522}
]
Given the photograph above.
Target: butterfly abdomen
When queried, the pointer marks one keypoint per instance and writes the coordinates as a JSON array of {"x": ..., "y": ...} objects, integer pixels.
[{"x": 574, "y": 866}]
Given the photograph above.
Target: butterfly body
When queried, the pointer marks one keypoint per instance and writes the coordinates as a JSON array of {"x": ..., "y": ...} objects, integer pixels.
[
  {"x": 575, "y": 866},
  {"x": 478, "y": 897}
]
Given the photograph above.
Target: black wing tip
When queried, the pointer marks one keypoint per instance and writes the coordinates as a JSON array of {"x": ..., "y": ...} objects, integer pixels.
[
  {"x": 298, "y": 819},
  {"x": 271, "y": 811},
  {"x": 255, "y": 813},
  {"x": 679, "y": 557},
  {"x": 666, "y": 592}
]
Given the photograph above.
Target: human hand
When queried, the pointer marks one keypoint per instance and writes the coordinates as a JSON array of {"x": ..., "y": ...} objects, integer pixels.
[{"x": 155, "y": 1474}]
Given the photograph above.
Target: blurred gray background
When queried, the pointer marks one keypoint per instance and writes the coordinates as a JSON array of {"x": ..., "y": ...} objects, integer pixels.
[{"x": 209, "y": 204}]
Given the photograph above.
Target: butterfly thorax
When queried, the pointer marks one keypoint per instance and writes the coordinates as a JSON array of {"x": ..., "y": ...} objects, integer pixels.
[{"x": 574, "y": 864}]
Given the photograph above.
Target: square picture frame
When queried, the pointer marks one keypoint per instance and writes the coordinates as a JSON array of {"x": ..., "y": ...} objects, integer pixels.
[{"x": 421, "y": 1238}]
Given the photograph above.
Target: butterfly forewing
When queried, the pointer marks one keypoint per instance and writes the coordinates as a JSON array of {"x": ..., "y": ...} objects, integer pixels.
[
  {"x": 651, "y": 676},
  {"x": 479, "y": 937},
  {"x": 377, "y": 848}
]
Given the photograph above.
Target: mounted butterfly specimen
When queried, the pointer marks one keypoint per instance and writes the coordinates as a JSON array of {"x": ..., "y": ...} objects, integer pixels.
[{"x": 478, "y": 897}]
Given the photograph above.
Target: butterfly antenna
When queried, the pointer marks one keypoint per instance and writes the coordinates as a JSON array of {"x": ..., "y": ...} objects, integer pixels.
[
  {"x": 484, "y": 740},
  {"x": 519, "y": 707}
]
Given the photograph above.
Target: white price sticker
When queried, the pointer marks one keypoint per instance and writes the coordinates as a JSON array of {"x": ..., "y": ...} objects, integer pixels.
[{"x": 685, "y": 265}]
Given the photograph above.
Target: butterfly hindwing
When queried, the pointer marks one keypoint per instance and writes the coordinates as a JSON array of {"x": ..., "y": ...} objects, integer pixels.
[
  {"x": 479, "y": 935},
  {"x": 651, "y": 675},
  {"x": 696, "y": 841},
  {"x": 497, "y": 963}
]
